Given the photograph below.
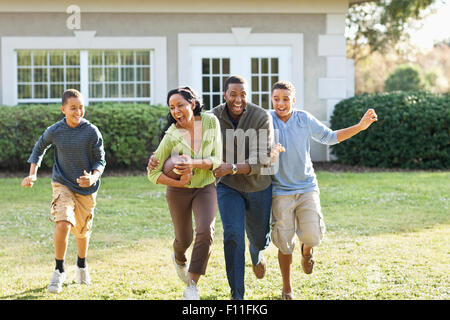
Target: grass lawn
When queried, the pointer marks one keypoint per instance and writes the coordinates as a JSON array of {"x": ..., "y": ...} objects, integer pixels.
[{"x": 387, "y": 238}]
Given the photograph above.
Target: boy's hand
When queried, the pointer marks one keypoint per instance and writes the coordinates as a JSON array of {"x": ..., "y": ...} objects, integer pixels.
[
  {"x": 28, "y": 182},
  {"x": 369, "y": 117},
  {"x": 152, "y": 163},
  {"x": 275, "y": 152},
  {"x": 86, "y": 180}
]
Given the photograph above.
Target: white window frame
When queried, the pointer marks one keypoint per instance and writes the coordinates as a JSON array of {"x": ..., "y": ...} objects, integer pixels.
[
  {"x": 243, "y": 37},
  {"x": 83, "y": 41}
]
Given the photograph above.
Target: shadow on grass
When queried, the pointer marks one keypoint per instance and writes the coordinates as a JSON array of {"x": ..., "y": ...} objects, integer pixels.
[{"x": 30, "y": 294}]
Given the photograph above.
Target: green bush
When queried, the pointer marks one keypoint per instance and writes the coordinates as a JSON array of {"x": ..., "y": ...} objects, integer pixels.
[
  {"x": 405, "y": 78},
  {"x": 412, "y": 131},
  {"x": 130, "y": 132}
]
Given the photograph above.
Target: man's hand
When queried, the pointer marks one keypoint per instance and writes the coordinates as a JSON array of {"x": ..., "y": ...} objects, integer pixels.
[
  {"x": 275, "y": 152},
  {"x": 87, "y": 179},
  {"x": 369, "y": 117},
  {"x": 28, "y": 182},
  {"x": 222, "y": 170}
]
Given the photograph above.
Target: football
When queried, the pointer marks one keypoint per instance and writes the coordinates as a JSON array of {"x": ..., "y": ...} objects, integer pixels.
[{"x": 169, "y": 167}]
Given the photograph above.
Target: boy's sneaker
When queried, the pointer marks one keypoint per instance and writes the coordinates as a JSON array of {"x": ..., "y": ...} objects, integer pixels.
[
  {"x": 182, "y": 270},
  {"x": 56, "y": 282},
  {"x": 82, "y": 276},
  {"x": 191, "y": 292}
]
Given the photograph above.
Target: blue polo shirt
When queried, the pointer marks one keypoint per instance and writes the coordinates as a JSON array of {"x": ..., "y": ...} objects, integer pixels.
[{"x": 296, "y": 173}]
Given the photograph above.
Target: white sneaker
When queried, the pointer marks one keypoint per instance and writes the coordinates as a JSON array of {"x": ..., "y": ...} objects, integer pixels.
[
  {"x": 82, "y": 276},
  {"x": 56, "y": 282},
  {"x": 182, "y": 270},
  {"x": 191, "y": 292}
]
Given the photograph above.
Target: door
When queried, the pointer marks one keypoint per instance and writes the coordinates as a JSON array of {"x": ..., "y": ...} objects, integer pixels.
[{"x": 261, "y": 66}]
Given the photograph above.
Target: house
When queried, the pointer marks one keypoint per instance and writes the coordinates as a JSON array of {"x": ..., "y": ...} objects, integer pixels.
[{"x": 135, "y": 50}]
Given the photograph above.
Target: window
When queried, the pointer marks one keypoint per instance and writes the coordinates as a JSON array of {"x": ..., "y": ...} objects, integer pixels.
[
  {"x": 214, "y": 73},
  {"x": 113, "y": 75},
  {"x": 43, "y": 75},
  {"x": 263, "y": 75}
]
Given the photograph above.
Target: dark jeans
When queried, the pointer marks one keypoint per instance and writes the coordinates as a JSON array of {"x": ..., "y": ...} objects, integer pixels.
[{"x": 243, "y": 212}]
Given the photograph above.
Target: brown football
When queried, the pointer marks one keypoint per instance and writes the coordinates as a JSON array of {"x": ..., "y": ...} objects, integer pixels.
[{"x": 168, "y": 167}]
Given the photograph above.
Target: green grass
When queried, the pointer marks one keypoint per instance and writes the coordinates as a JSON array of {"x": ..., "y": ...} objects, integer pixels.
[{"x": 387, "y": 238}]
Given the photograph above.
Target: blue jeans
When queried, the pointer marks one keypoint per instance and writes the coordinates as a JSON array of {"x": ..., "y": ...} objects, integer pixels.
[{"x": 243, "y": 212}]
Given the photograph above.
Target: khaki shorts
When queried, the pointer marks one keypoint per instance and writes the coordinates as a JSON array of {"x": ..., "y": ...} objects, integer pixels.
[
  {"x": 297, "y": 214},
  {"x": 74, "y": 208}
]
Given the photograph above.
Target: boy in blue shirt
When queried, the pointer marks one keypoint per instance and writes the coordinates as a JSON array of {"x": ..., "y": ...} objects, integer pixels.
[
  {"x": 295, "y": 191},
  {"x": 79, "y": 163}
]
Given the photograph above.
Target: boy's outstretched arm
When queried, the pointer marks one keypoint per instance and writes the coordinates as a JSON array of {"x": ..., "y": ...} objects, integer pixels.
[
  {"x": 369, "y": 117},
  {"x": 28, "y": 181}
]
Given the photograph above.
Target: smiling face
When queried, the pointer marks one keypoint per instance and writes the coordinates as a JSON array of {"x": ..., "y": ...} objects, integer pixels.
[
  {"x": 236, "y": 98},
  {"x": 74, "y": 111},
  {"x": 181, "y": 110},
  {"x": 283, "y": 101}
]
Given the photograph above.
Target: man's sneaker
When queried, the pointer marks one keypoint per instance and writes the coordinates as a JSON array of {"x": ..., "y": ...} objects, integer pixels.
[
  {"x": 182, "y": 270},
  {"x": 260, "y": 269},
  {"x": 191, "y": 292},
  {"x": 307, "y": 262},
  {"x": 56, "y": 282},
  {"x": 82, "y": 276}
]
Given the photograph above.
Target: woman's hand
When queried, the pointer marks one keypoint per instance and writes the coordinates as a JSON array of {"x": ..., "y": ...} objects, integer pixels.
[{"x": 185, "y": 165}]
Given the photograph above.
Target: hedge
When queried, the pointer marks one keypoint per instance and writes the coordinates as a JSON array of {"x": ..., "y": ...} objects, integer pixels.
[
  {"x": 130, "y": 132},
  {"x": 412, "y": 131}
]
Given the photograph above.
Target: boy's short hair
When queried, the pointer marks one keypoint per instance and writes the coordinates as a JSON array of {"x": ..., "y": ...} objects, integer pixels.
[
  {"x": 284, "y": 85},
  {"x": 233, "y": 79},
  {"x": 71, "y": 93}
]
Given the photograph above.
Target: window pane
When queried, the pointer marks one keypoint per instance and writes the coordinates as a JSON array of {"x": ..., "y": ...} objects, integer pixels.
[
  {"x": 143, "y": 90},
  {"x": 264, "y": 83},
  {"x": 205, "y": 66},
  {"x": 127, "y": 74},
  {"x": 216, "y": 100},
  {"x": 128, "y": 90},
  {"x": 226, "y": 66},
  {"x": 127, "y": 57},
  {"x": 24, "y": 58},
  {"x": 216, "y": 84},
  {"x": 205, "y": 84},
  {"x": 24, "y": 75},
  {"x": 112, "y": 91},
  {"x": 255, "y": 65},
  {"x": 255, "y": 99},
  {"x": 24, "y": 91},
  {"x": 72, "y": 86},
  {"x": 96, "y": 90},
  {"x": 56, "y": 90},
  {"x": 40, "y": 75},
  {"x": 96, "y": 75},
  {"x": 143, "y": 74},
  {"x": 56, "y": 58},
  {"x": 111, "y": 58},
  {"x": 40, "y": 91},
  {"x": 265, "y": 101},
  {"x": 255, "y": 84},
  {"x": 73, "y": 74},
  {"x": 142, "y": 58},
  {"x": 274, "y": 66},
  {"x": 111, "y": 74},
  {"x": 56, "y": 75},
  {"x": 206, "y": 101},
  {"x": 40, "y": 58},
  {"x": 264, "y": 65},
  {"x": 73, "y": 58},
  {"x": 95, "y": 58},
  {"x": 274, "y": 79},
  {"x": 216, "y": 66}
]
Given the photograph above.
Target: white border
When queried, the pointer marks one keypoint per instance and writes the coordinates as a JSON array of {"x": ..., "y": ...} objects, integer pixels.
[
  {"x": 82, "y": 40},
  {"x": 243, "y": 37}
]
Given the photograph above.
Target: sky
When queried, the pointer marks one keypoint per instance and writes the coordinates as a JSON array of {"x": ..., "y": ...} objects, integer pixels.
[{"x": 434, "y": 27}]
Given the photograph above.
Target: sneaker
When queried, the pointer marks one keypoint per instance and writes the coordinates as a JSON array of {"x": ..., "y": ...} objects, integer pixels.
[
  {"x": 260, "y": 269},
  {"x": 307, "y": 262},
  {"x": 82, "y": 276},
  {"x": 56, "y": 282},
  {"x": 191, "y": 292},
  {"x": 182, "y": 270}
]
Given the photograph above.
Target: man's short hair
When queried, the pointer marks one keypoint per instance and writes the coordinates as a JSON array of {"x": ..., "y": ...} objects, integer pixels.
[
  {"x": 234, "y": 79},
  {"x": 284, "y": 85},
  {"x": 70, "y": 93}
]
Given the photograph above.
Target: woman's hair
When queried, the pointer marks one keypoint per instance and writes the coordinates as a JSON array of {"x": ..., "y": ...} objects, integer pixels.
[{"x": 190, "y": 96}]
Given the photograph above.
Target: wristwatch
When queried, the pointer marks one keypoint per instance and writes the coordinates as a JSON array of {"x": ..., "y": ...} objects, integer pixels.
[{"x": 233, "y": 169}]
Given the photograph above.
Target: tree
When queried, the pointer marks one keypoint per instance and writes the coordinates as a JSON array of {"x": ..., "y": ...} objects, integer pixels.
[
  {"x": 377, "y": 25},
  {"x": 405, "y": 78}
]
